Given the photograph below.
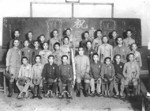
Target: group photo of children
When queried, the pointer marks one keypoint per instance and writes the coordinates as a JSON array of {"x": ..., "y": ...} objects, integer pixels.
[{"x": 102, "y": 66}]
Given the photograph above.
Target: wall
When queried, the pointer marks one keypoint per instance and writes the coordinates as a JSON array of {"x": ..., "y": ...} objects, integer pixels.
[{"x": 122, "y": 9}]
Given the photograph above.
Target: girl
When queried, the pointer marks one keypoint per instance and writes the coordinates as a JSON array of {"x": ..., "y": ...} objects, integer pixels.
[
  {"x": 97, "y": 41},
  {"x": 42, "y": 39},
  {"x": 112, "y": 40}
]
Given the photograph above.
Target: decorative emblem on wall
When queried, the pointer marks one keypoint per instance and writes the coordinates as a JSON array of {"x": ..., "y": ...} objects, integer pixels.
[{"x": 80, "y": 24}]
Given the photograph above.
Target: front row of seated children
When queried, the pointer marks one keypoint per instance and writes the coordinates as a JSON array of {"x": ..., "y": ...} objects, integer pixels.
[{"x": 100, "y": 78}]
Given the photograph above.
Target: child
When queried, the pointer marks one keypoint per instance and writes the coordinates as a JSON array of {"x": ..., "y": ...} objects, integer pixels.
[
  {"x": 89, "y": 51},
  {"x": 65, "y": 48},
  {"x": 30, "y": 39},
  {"x": 50, "y": 75},
  {"x": 57, "y": 53},
  {"x": 121, "y": 49},
  {"x": 26, "y": 51},
  {"x": 97, "y": 41},
  {"x": 129, "y": 40},
  {"x": 105, "y": 50},
  {"x": 37, "y": 77},
  {"x": 66, "y": 77},
  {"x": 54, "y": 39},
  {"x": 24, "y": 78},
  {"x": 13, "y": 62},
  {"x": 113, "y": 36},
  {"x": 42, "y": 40},
  {"x": 45, "y": 53},
  {"x": 131, "y": 73},
  {"x": 119, "y": 78},
  {"x": 95, "y": 74},
  {"x": 16, "y": 36},
  {"x": 107, "y": 74},
  {"x": 82, "y": 65},
  {"x": 35, "y": 51},
  {"x": 137, "y": 54},
  {"x": 85, "y": 37}
]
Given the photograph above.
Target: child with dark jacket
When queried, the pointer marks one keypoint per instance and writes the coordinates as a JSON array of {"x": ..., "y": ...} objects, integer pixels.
[
  {"x": 49, "y": 75},
  {"x": 107, "y": 74},
  {"x": 119, "y": 77},
  {"x": 65, "y": 77},
  {"x": 95, "y": 74}
]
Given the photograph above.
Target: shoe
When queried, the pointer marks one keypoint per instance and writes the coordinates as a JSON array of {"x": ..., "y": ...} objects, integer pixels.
[
  {"x": 33, "y": 97},
  {"x": 39, "y": 97},
  {"x": 26, "y": 94},
  {"x": 9, "y": 95},
  {"x": 60, "y": 96},
  {"x": 86, "y": 94},
  {"x": 69, "y": 96},
  {"x": 92, "y": 94}
]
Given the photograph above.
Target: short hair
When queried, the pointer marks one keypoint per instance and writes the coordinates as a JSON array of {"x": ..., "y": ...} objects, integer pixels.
[
  {"x": 42, "y": 35},
  {"x": 15, "y": 40},
  {"x": 66, "y": 37},
  {"x": 57, "y": 43},
  {"x": 45, "y": 43},
  {"x": 89, "y": 42},
  {"x": 68, "y": 29},
  {"x": 24, "y": 58},
  {"x": 106, "y": 59},
  {"x": 104, "y": 36},
  {"x": 30, "y": 32},
  {"x": 35, "y": 41},
  {"x": 51, "y": 56},
  {"x": 25, "y": 41},
  {"x": 64, "y": 56},
  {"x": 86, "y": 32},
  {"x": 129, "y": 30},
  {"x": 17, "y": 30},
  {"x": 119, "y": 37},
  {"x": 80, "y": 47},
  {"x": 38, "y": 56},
  {"x": 117, "y": 55},
  {"x": 95, "y": 54}
]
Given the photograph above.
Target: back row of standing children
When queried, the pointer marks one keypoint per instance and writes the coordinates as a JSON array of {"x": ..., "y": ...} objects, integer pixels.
[{"x": 94, "y": 64}]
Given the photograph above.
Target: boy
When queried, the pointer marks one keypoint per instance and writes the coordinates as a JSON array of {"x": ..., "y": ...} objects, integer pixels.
[
  {"x": 121, "y": 49},
  {"x": 42, "y": 40},
  {"x": 13, "y": 62},
  {"x": 50, "y": 75},
  {"x": 57, "y": 53},
  {"x": 65, "y": 77},
  {"x": 105, "y": 50},
  {"x": 137, "y": 54},
  {"x": 131, "y": 73},
  {"x": 97, "y": 41},
  {"x": 89, "y": 51},
  {"x": 35, "y": 51},
  {"x": 95, "y": 70},
  {"x": 128, "y": 40},
  {"x": 82, "y": 65},
  {"x": 16, "y": 36},
  {"x": 119, "y": 78},
  {"x": 54, "y": 39},
  {"x": 24, "y": 78},
  {"x": 37, "y": 77},
  {"x": 26, "y": 51},
  {"x": 107, "y": 74},
  {"x": 65, "y": 48},
  {"x": 45, "y": 53}
]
